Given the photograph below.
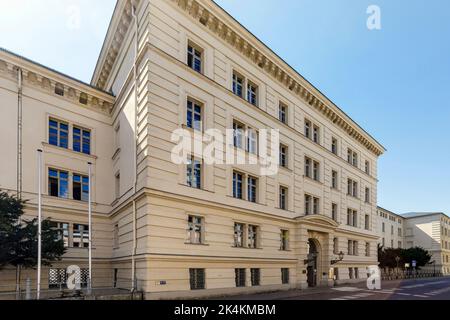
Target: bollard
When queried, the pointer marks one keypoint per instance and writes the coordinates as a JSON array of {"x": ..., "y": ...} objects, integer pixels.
[{"x": 28, "y": 289}]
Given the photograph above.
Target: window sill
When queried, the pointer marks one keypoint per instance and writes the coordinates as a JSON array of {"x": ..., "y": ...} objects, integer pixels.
[
  {"x": 197, "y": 244},
  {"x": 313, "y": 180},
  {"x": 84, "y": 155},
  {"x": 246, "y": 248}
]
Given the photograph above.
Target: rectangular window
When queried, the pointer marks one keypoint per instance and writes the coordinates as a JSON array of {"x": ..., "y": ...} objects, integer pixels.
[
  {"x": 308, "y": 170},
  {"x": 283, "y": 198},
  {"x": 252, "y": 94},
  {"x": 282, "y": 113},
  {"x": 194, "y": 58},
  {"x": 116, "y": 236},
  {"x": 336, "y": 246},
  {"x": 195, "y": 230},
  {"x": 194, "y": 173},
  {"x": 252, "y": 241},
  {"x": 285, "y": 276},
  {"x": 284, "y": 245},
  {"x": 367, "y": 195},
  {"x": 367, "y": 249},
  {"x": 239, "y": 235},
  {"x": 252, "y": 188},
  {"x": 316, "y": 171},
  {"x": 367, "y": 167},
  {"x": 237, "y": 185},
  {"x": 63, "y": 232},
  {"x": 194, "y": 115},
  {"x": 81, "y": 140},
  {"x": 383, "y": 227},
  {"x": 197, "y": 279},
  {"x": 308, "y": 126},
  {"x": 117, "y": 185},
  {"x": 352, "y": 189},
  {"x": 238, "y": 85},
  {"x": 58, "y": 133},
  {"x": 240, "y": 276},
  {"x": 58, "y": 183},
  {"x": 316, "y": 206},
  {"x": 334, "y": 179},
  {"x": 334, "y": 146},
  {"x": 334, "y": 211},
  {"x": 316, "y": 134},
  {"x": 367, "y": 222},
  {"x": 238, "y": 133},
  {"x": 352, "y": 157},
  {"x": 80, "y": 236},
  {"x": 352, "y": 248},
  {"x": 350, "y": 273},
  {"x": 256, "y": 277},
  {"x": 307, "y": 204},
  {"x": 352, "y": 218},
  {"x": 80, "y": 188},
  {"x": 252, "y": 141},
  {"x": 283, "y": 156}
]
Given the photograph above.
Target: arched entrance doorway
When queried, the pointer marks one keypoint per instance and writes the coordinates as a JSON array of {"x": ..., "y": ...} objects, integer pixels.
[{"x": 312, "y": 268}]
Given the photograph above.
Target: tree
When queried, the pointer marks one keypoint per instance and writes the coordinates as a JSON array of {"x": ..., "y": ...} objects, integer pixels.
[
  {"x": 19, "y": 237},
  {"x": 420, "y": 255},
  {"x": 388, "y": 257}
]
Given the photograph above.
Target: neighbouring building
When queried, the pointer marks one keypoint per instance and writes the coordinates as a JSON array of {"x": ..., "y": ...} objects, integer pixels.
[
  {"x": 428, "y": 230},
  {"x": 190, "y": 230},
  {"x": 390, "y": 228}
]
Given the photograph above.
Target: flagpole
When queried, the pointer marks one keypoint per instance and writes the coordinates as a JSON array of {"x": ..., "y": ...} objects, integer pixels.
[
  {"x": 38, "y": 286},
  {"x": 90, "y": 230}
]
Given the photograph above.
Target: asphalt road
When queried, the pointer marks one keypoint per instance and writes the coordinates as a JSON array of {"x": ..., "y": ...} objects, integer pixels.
[{"x": 420, "y": 289}]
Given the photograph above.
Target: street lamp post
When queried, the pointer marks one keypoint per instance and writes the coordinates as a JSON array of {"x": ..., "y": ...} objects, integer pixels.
[{"x": 341, "y": 257}]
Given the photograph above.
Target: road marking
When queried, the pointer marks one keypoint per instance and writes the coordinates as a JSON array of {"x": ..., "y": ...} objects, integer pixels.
[
  {"x": 404, "y": 294},
  {"x": 420, "y": 296},
  {"x": 347, "y": 289}
]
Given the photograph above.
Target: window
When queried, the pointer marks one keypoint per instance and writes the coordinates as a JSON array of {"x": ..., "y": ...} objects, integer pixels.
[
  {"x": 57, "y": 278},
  {"x": 237, "y": 185},
  {"x": 367, "y": 222},
  {"x": 307, "y": 204},
  {"x": 350, "y": 273},
  {"x": 63, "y": 232},
  {"x": 59, "y": 89},
  {"x": 194, "y": 115},
  {"x": 252, "y": 141},
  {"x": 284, "y": 245},
  {"x": 392, "y": 243},
  {"x": 400, "y": 245},
  {"x": 336, "y": 246},
  {"x": 58, "y": 133},
  {"x": 194, "y": 57},
  {"x": 240, "y": 278},
  {"x": 352, "y": 157},
  {"x": 367, "y": 249},
  {"x": 194, "y": 173},
  {"x": 308, "y": 126},
  {"x": 334, "y": 146},
  {"x": 283, "y": 156},
  {"x": 334, "y": 212},
  {"x": 282, "y": 113},
  {"x": 367, "y": 195},
  {"x": 117, "y": 185},
  {"x": 356, "y": 273},
  {"x": 195, "y": 230},
  {"x": 239, "y": 235},
  {"x": 80, "y": 236},
  {"x": 308, "y": 162},
  {"x": 352, "y": 248},
  {"x": 352, "y": 218},
  {"x": 252, "y": 93},
  {"x": 81, "y": 140},
  {"x": 58, "y": 183},
  {"x": 252, "y": 188},
  {"x": 285, "y": 276},
  {"x": 197, "y": 279},
  {"x": 316, "y": 171},
  {"x": 383, "y": 227},
  {"x": 392, "y": 230},
  {"x": 116, "y": 236},
  {"x": 256, "y": 277},
  {"x": 238, "y": 85},
  {"x": 334, "y": 179},
  {"x": 400, "y": 232},
  {"x": 252, "y": 237},
  {"x": 238, "y": 132},
  {"x": 367, "y": 167},
  {"x": 283, "y": 198},
  {"x": 80, "y": 188},
  {"x": 316, "y": 134},
  {"x": 316, "y": 206},
  {"x": 312, "y": 205},
  {"x": 352, "y": 188}
]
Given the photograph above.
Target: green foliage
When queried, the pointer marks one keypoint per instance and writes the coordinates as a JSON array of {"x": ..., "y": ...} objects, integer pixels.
[
  {"x": 19, "y": 238},
  {"x": 387, "y": 257}
]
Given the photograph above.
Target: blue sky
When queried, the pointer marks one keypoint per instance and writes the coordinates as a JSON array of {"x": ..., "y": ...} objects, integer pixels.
[{"x": 395, "y": 82}]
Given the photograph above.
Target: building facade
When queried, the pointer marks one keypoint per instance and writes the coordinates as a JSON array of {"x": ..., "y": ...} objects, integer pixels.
[
  {"x": 391, "y": 229},
  {"x": 191, "y": 229},
  {"x": 430, "y": 231}
]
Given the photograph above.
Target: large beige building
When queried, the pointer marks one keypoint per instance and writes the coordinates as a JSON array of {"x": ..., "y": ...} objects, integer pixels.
[
  {"x": 190, "y": 230},
  {"x": 391, "y": 229}
]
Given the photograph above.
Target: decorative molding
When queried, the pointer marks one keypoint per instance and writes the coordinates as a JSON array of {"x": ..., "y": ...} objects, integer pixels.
[
  {"x": 294, "y": 83},
  {"x": 50, "y": 82}
]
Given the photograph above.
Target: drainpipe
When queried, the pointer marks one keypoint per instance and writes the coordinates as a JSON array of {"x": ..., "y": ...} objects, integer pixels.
[
  {"x": 136, "y": 137},
  {"x": 19, "y": 133}
]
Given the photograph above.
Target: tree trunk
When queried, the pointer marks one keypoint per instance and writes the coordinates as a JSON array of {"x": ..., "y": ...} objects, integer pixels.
[{"x": 18, "y": 271}]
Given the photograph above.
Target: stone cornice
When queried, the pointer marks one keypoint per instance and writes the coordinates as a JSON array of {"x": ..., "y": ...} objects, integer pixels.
[
  {"x": 47, "y": 80},
  {"x": 225, "y": 27},
  {"x": 118, "y": 28}
]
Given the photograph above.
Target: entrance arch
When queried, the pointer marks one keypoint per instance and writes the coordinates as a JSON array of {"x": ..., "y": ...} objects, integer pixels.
[{"x": 313, "y": 262}]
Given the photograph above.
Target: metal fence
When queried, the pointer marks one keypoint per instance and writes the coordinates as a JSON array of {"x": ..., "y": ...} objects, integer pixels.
[{"x": 400, "y": 275}]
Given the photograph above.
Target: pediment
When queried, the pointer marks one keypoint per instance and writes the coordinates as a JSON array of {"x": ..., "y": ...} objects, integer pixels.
[{"x": 321, "y": 220}]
